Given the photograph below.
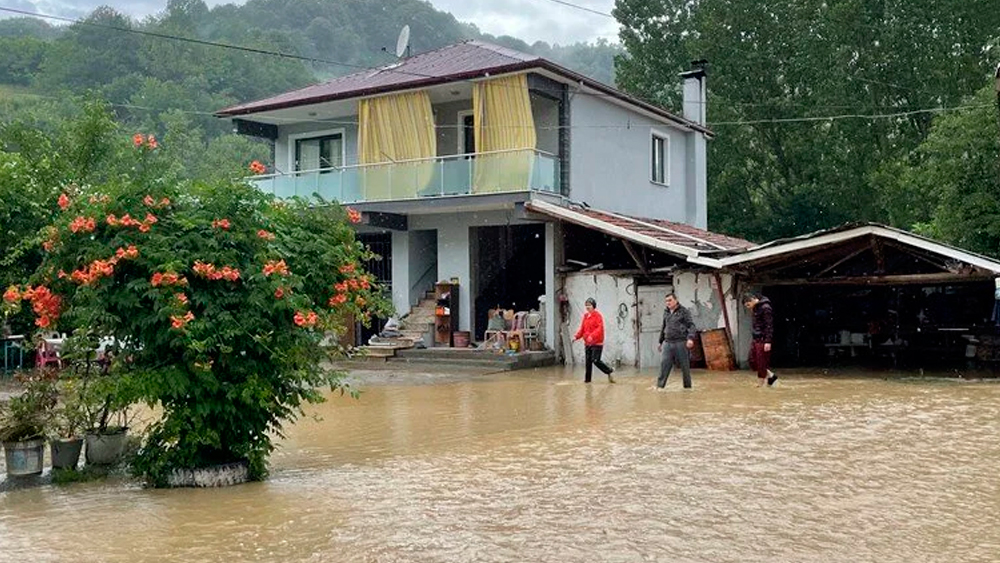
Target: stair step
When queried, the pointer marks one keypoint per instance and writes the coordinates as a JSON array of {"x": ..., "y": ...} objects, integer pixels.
[{"x": 498, "y": 365}]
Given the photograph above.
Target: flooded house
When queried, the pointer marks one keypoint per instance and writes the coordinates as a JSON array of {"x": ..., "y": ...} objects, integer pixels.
[
  {"x": 488, "y": 178},
  {"x": 456, "y": 157}
]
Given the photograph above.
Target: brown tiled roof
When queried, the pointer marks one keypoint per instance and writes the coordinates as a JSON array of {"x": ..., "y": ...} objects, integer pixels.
[
  {"x": 669, "y": 231},
  {"x": 647, "y": 232},
  {"x": 461, "y": 61}
]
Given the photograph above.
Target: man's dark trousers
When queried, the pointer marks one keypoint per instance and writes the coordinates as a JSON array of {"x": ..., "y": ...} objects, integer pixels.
[{"x": 675, "y": 351}]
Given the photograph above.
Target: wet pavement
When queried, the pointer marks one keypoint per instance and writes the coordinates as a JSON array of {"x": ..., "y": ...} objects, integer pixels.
[{"x": 537, "y": 466}]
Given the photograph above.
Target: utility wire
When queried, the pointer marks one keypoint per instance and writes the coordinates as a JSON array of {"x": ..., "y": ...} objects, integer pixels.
[
  {"x": 625, "y": 126},
  {"x": 583, "y": 8},
  {"x": 421, "y": 75},
  {"x": 254, "y": 50},
  {"x": 849, "y": 116}
]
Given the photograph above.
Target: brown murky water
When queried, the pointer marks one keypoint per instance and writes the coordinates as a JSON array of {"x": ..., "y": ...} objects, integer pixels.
[{"x": 539, "y": 467}]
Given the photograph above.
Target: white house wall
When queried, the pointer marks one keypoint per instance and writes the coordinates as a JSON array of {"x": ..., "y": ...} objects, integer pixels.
[
  {"x": 610, "y": 168},
  {"x": 454, "y": 256},
  {"x": 614, "y": 294}
]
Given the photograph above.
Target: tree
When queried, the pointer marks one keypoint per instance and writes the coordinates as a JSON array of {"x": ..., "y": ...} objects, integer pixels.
[
  {"x": 218, "y": 297},
  {"x": 777, "y": 60},
  {"x": 955, "y": 175}
]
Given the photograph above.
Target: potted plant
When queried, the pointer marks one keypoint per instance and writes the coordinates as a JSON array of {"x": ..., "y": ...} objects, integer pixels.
[
  {"x": 22, "y": 425},
  {"x": 66, "y": 439},
  {"x": 105, "y": 414}
]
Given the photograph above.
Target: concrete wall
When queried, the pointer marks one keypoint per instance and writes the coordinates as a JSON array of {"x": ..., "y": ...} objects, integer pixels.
[
  {"x": 446, "y": 118},
  {"x": 545, "y": 112},
  {"x": 697, "y": 291},
  {"x": 611, "y": 291},
  {"x": 611, "y": 163},
  {"x": 282, "y": 160},
  {"x": 454, "y": 251},
  {"x": 422, "y": 258}
]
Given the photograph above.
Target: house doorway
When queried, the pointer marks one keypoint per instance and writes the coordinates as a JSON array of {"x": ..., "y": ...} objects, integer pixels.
[
  {"x": 380, "y": 268},
  {"x": 650, "y": 306},
  {"x": 508, "y": 270}
]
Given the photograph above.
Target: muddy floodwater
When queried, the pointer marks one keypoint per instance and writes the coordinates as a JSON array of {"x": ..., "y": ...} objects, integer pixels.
[{"x": 536, "y": 466}]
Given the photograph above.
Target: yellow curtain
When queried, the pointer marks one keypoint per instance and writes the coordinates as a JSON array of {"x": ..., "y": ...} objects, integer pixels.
[
  {"x": 391, "y": 129},
  {"x": 503, "y": 122}
]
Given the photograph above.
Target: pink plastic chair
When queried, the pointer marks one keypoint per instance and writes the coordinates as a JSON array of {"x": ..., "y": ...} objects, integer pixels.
[{"x": 46, "y": 355}]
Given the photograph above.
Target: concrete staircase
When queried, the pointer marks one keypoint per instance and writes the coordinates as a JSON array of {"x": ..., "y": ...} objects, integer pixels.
[{"x": 414, "y": 325}]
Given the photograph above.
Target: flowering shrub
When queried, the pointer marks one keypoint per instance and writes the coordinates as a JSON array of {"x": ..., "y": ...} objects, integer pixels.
[{"x": 219, "y": 298}]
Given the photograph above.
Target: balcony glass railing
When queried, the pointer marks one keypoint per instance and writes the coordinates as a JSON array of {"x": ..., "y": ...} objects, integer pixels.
[{"x": 466, "y": 174}]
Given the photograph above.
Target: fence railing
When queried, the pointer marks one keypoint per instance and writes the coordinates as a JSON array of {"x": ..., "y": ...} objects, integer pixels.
[{"x": 464, "y": 174}]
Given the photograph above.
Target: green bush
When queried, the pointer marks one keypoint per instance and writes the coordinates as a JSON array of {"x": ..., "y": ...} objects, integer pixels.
[{"x": 218, "y": 300}]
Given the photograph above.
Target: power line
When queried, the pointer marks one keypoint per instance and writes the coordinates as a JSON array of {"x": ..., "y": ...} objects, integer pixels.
[
  {"x": 583, "y": 8},
  {"x": 203, "y": 42},
  {"x": 258, "y": 51},
  {"x": 848, "y": 116},
  {"x": 625, "y": 126}
]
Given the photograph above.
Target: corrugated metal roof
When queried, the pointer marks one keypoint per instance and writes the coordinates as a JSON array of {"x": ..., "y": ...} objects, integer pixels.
[
  {"x": 461, "y": 61},
  {"x": 667, "y": 236}
]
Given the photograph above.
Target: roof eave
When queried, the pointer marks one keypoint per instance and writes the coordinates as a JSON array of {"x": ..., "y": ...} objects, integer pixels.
[
  {"x": 241, "y": 110},
  {"x": 234, "y": 111}
]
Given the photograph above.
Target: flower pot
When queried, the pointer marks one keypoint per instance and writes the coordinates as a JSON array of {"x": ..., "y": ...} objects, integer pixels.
[
  {"x": 24, "y": 458},
  {"x": 215, "y": 476},
  {"x": 66, "y": 453},
  {"x": 105, "y": 449}
]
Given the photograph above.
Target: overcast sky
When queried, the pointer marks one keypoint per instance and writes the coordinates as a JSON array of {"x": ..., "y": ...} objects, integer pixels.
[{"x": 530, "y": 20}]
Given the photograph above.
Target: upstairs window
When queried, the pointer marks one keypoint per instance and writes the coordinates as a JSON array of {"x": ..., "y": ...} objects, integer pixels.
[
  {"x": 660, "y": 170},
  {"x": 319, "y": 152}
]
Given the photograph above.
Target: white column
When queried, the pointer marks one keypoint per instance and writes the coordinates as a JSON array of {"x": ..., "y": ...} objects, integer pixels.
[
  {"x": 401, "y": 272},
  {"x": 553, "y": 258},
  {"x": 454, "y": 261}
]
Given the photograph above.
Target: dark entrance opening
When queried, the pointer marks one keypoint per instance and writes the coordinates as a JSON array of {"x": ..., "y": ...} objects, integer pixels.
[
  {"x": 381, "y": 268},
  {"x": 509, "y": 269},
  {"x": 898, "y": 326}
]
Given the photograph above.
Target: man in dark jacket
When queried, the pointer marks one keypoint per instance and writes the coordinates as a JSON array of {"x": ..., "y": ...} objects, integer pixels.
[
  {"x": 677, "y": 332},
  {"x": 763, "y": 336}
]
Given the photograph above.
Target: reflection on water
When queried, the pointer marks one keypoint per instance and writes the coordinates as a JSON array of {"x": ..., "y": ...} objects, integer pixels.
[{"x": 539, "y": 467}]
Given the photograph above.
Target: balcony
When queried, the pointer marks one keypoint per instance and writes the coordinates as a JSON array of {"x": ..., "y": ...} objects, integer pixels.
[{"x": 465, "y": 174}]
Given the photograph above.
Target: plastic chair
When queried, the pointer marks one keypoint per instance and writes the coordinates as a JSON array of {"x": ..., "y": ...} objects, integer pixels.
[
  {"x": 47, "y": 354},
  {"x": 532, "y": 321}
]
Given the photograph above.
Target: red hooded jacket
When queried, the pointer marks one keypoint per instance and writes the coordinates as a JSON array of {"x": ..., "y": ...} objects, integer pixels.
[{"x": 592, "y": 329}]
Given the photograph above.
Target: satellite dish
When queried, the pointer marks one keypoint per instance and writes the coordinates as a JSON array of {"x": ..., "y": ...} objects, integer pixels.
[{"x": 403, "y": 43}]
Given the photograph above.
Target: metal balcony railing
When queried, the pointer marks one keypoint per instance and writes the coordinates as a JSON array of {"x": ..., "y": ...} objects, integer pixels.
[{"x": 464, "y": 174}]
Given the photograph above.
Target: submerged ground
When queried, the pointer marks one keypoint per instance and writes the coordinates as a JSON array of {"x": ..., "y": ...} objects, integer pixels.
[{"x": 537, "y": 466}]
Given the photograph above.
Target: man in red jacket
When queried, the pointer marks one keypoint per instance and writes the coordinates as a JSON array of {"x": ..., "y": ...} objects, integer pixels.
[{"x": 592, "y": 333}]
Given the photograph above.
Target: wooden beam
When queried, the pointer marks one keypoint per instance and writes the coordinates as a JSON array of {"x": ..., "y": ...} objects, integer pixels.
[
  {"x": 911, "y": 251},
  {"x": 841, "y": 261},
  {"x": 635, "y": 256},
  {"x": 906, "y": 279},
  {"x": 879, "y": 255}
]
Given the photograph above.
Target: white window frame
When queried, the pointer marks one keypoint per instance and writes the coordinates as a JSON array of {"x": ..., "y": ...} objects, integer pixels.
[
  {"x": 295, "y": 137},
  {"x": 665, "y": 137},
  {"x": 461, "y": 129}
]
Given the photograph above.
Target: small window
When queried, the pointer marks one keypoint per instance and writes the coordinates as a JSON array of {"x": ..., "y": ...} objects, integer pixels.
[
  {"x": 319, "y": 152},
  {"x": 658, "y": 159}
]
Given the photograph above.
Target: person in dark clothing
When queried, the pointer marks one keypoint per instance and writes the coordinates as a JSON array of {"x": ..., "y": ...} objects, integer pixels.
[
  {"x": 592, "y": 333},
  {"x": 763, "y": 336},
  {"x": 677, "y": 333}
]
